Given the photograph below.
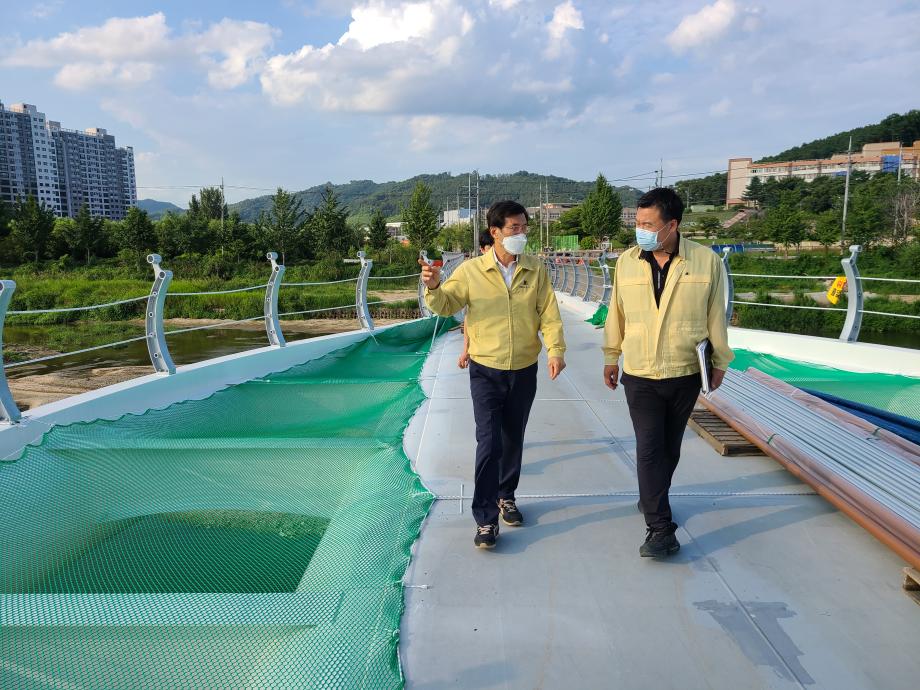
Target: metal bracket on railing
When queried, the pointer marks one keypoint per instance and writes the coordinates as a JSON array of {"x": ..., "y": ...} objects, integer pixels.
[
  {"x": 729, "y": 285},
  {"x": 576, "y": 282},
  {"x": 605, "y": 270},
  {"x": 422, "y": 307},
  {"x": 364, "y": 313},
  {"x": 153, "y": 321},
  {"x": 850, "y": 332},
  {"x": 588, "y": 278},
  {"x": 270, "y": 307},
  {"x": 9, "y": 411}
]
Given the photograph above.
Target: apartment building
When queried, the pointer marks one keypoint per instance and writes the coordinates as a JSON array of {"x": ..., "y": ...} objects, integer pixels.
[
  {"x": 886, "y": 156},
  {"x": 64, "y": 169}
]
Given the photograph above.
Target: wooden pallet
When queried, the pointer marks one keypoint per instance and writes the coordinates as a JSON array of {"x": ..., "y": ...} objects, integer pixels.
[
  {"x": 720, "y": 435},
  {"x": 912, "y": 579}
]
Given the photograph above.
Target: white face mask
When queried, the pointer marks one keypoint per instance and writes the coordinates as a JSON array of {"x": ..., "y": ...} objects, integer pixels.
[{"x": 515, "y": 244}]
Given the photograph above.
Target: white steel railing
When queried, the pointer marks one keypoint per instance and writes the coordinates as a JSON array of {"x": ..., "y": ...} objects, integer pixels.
[
  {"x": 584, "y": 274},
  {"x": 155, "y": 333}
]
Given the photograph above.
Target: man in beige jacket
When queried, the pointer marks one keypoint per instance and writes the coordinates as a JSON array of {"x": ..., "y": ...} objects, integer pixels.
[{"x": 668, "y": 296}]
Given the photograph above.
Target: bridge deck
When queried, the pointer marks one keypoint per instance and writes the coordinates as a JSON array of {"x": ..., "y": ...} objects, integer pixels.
[{"x": 772, "y": 588}]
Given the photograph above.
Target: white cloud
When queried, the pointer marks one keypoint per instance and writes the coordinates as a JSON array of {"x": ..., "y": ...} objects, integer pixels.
[
  {"x": 566, "y": 17},
  {"x": 423, "y": 129},
  {"x": 242, "y": 46},
  {"x": 138, "y": 38},
  {"x": 377, "y": 23},
  {"x": 82, "y": 75},
  {"x": 504, "y": 4},
  {"x": 704, "y": 26},
  {"x": 128, "y": 51},
  {"x": 43, "y": 10}
]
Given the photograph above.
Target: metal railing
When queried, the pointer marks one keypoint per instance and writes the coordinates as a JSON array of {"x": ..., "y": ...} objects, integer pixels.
[
  {"x": 581, "y": 273},
  {"x": 155, "y": 334}
]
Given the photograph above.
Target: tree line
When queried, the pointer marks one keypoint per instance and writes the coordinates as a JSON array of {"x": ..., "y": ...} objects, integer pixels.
[
  {"x": 881, "y": 210},
  {"x": 30, "y": 232}
]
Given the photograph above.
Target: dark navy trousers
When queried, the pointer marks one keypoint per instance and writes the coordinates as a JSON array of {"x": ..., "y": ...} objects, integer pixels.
[{"x": 501, "y": 407}]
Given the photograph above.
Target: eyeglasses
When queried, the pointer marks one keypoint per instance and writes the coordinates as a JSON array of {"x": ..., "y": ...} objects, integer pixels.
[{"x": 516, "y": 229}]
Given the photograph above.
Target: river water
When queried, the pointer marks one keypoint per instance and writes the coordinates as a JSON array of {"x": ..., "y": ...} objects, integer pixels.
[
  {"x": 185, "y": 348},
  {"x": 196, "y": 346}
]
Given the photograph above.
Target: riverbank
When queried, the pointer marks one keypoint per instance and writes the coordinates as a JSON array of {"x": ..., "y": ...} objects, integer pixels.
[{"x": 46, "y": 382}]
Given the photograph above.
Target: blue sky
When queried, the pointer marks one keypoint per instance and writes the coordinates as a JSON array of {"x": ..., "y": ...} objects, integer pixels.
[{"x": 294, "y": 93}]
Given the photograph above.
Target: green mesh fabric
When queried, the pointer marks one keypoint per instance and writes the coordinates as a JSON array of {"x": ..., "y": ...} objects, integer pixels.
[
  {"x": 255, "y": 539},
  {"x": 897, "y": 394},
  {"x": 600, "y": 316}
]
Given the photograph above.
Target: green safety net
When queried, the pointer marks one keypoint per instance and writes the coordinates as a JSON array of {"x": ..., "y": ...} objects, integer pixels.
[
  {"x": 254, "y": 539},
  {"x": 599, "y": 318},
  {"x": 890, "y": 392}
]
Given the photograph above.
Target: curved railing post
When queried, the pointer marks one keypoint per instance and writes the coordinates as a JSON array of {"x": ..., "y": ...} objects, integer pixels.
[
  {"x": 422, "y": 307},
  {"x": 270, "y": 307},
  {"x": 9, "y": 410},
  {"x": 156, "y": 340},
  {"x": 853, "y": 323},
  {"x": 605, "y": 271},
  {"x": 729, "y": 285},
  {"x": 586, "y": 261},
  {"x": 565, "y": 274},
  {"x": 364, "y": 313},
  {"x": 576, "y": 281}
]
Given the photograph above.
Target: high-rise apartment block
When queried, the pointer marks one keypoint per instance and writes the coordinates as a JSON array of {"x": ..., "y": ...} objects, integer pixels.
[{"x": 64, "y": 169}]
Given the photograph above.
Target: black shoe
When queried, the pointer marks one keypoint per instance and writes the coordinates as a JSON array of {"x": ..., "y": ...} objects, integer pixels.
[
  {"x": 639, "y": 506},
  {"x": 485, "y": 536},
  {"x": 511, "y": 516},
  {"x": 660, "y": 543}
]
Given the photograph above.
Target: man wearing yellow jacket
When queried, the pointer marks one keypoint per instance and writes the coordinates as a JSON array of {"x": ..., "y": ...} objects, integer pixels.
[
  {"x": 510, "y": 301},
  {"x": 668, "y": 296}
]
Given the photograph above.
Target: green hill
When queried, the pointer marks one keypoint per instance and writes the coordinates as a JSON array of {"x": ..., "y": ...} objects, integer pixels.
[
  {"x": 157, "y": 209},
  {"x": 904, "y": 128},
  {"x": 361, "y": 197}
]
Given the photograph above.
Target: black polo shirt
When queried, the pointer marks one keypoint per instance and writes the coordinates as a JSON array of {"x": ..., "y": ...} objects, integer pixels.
[{"x": 659, "y": 273}]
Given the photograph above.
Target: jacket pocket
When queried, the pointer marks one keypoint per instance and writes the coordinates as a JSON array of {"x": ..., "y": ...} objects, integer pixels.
[{"x": 635, "y": 347}]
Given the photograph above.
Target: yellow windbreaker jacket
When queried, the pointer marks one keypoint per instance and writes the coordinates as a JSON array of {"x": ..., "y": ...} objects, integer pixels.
[
  {"x": 503, "y": 324},
  {"x": 659, "y": 342}
]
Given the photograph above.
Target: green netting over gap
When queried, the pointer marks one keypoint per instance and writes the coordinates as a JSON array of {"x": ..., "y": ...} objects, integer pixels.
[
  {"x": 897, "y": 394},
  {"x": 255, "y": 539}
]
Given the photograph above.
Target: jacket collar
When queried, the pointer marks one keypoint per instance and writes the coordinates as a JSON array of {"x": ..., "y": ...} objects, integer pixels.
[{"x": 490, "y": 261}]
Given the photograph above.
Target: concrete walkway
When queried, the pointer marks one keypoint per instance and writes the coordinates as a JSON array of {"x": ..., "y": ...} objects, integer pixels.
[{"x": 772, "y": 589}]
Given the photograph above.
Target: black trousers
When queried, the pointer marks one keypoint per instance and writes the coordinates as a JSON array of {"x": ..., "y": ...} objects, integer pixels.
[
  {"x": 659, "y": 410},
  {"x": 501, "y": 407}
]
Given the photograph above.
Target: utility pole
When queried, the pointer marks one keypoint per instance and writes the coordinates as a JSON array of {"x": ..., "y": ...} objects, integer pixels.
[
  {"x": 477, "y": 203},
  {"x": 469, "y": 205},
  {"x": 222, "y": 204},
  {"x": 900, "y": 160},
  {"x": 846, "y": 196}
]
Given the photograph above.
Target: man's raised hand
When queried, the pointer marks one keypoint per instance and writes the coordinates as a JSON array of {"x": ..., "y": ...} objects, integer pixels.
[{"x": 431, "y": 275}]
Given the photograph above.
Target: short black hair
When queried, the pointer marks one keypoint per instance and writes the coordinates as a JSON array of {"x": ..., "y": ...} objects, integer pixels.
[
  {"x": 485, "y": 239},
  {"x": 667, "y": 201},
  {"x": 500, "y": 210}
]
